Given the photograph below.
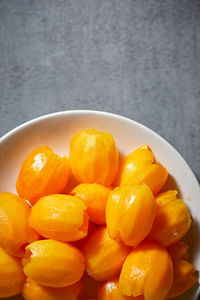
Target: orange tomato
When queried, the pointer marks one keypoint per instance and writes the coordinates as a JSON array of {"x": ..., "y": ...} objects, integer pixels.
[
  {"x": 130, "y": 213},
  {"x": 147, "y": 271},
  {"x": 11, "y": 275},
  {"x": 60, "y": 217},
  {"x": 53, "y": 263},
  {"x": 95, "y": 197},
  {"x": 34, "y": 291},
  {"x": 15, "y": 232},
  {"x": 104, "y": 256},
  {"x": 139, "y": 167},
  {"x": 172, "y": 219},
  {"x": 94, "y": 157},
  {"x": 42, "y": 173}
]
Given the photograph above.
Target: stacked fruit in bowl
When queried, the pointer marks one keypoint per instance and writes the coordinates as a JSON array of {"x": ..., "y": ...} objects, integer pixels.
[{"x": 93, "y": 222}]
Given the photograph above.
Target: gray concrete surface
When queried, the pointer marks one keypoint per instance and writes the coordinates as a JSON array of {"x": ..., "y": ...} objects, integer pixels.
[{"x": 136, "y": 58}]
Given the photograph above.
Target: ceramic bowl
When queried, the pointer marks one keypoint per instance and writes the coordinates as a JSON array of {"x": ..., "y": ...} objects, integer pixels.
[{"x": 56, "y": 130}]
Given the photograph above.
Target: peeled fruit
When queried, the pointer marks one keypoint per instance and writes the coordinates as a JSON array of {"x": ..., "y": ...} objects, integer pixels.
[
  {"x": 147, "y": 271},
  {"x": 130, "y": 213},
  {"x": 139, "y": 167},
  {"x": 60, "y": 217},
  {"x": 32, "y": 291},
  {"x": 172, "y": 219},
  {"x": 179, "y": 250},
  {"x": 15, "y": 232},
  {"x": 11, "y": 275},
  {"x": 95, "y": 197},
  {"x": 94, "y": 157},
  {"x": 185, "y": 276},
  {"x": 104, "y": 256},
  {"x": 53, "y": 263},
  {"x": 42, "y": 173},
  {"x": 110, "y": 291}
]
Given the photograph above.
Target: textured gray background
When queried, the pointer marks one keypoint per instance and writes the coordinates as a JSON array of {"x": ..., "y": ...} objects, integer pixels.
[{"x": 140, "y": 59}]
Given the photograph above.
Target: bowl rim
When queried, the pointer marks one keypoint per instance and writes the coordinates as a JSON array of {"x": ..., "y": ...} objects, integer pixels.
[{"x": 33, "y": 121}]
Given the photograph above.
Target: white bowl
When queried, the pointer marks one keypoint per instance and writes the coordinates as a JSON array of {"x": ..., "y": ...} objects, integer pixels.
[{"x": 56, "y": 130}]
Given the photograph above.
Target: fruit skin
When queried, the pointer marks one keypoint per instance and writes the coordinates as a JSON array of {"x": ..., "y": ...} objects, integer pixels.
[
  {"x": 139, "y": 167},
  {"x": 32, "y": 291},
  {"x": 94, "y": 157},
  {"x": 11, "y": 275},
  {"x": 15, "y": 231},
  {"x": 110, "y": 291},
  {"x": 147, "y": 271},
  {"x": 53, "y": 263},
  {"x": 104, "y": 256},
  {"x": 95, "y": 197},
  {"x": 172, "y": 219},
  {"x": 60, "y": 217},
  {"x": 185, "y": 276},
  {"x": 130, "y": 213},
  {"x": 42, "y": 173}
]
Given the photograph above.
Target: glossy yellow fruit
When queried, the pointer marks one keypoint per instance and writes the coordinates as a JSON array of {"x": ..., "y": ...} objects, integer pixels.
[
  {"x": 53, "y": 263},
  {"x": 139, "y": 167},
  {"x": 147, "y": 271},
  {"x": 42, "y": 173},
  {"x": 94, "y": 157},
  {"x": 110, "y": 291},
  {"x": 34, "y": 291},
  {"x": 104, "y": 256},
  {"x": 11, "y": 275},
  {"x": 172, "y": 220},
  {"x": 95, "y": 197},
  {"x": 185, "y": 276},
  {"x": 15, "y": 232},
  {"x": 60, "y": 217},
  {"x": 130, "y": 213}
]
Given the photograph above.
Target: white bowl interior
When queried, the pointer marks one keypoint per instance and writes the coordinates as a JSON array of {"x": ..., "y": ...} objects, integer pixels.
[{"x": 56, "y": 130}]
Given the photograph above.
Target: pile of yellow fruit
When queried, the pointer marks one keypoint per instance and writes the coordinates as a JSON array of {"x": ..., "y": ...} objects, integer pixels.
[{"x": 94, "y": 215}]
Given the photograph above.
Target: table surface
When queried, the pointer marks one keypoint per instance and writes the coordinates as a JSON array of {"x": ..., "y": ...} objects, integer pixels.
[{"x": 139, "y": 59}]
